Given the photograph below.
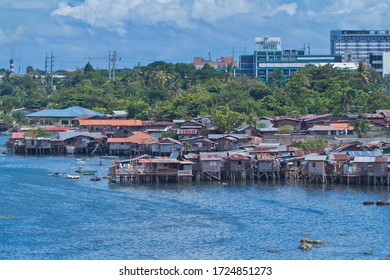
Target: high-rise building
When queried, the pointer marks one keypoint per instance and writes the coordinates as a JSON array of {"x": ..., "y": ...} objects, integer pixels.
[{"x": 357, "y": 45}]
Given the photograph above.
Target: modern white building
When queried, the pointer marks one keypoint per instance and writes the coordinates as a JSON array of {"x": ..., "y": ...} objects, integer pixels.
[
  {"x": 357, "y": 45},
  {"x": 380, "y": 61}
]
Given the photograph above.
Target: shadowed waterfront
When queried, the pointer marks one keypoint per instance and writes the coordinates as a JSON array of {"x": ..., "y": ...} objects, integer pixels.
[{"x": 49, "y": 217}]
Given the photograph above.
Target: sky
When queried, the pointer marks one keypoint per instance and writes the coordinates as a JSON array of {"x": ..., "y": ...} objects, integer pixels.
[{"x": 75, "y": 32}]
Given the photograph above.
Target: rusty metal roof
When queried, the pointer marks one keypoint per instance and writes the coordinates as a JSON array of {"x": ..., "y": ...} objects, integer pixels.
[
  {"x": 237, "y": 157},
  {"x": 339, "y": 157}
]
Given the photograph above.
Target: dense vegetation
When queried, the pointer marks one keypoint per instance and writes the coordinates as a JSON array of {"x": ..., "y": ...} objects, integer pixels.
[{"x": 165, "y": 91}]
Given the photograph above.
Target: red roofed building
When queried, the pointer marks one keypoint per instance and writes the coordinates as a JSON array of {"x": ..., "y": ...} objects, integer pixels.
[
  {"x": 136, "y": 144},
  {"x": 332, "y": 129},
  {"x": 110, "y": 125}
]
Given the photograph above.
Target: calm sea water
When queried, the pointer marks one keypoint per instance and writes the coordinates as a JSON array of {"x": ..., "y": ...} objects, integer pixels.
[{"x": 48, "y": 217}]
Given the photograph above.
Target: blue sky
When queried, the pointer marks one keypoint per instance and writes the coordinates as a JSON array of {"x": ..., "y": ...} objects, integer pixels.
[{"x": 142, "y": 31}]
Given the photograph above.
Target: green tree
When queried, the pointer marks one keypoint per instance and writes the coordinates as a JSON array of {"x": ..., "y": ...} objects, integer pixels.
[
  {"x": 311, "y": 144},
  {"x": 38, "y": 132},
  {"x": 362, "y": 126},
  {"x": 88, "y": 68},
  {"x": 285, "y": 129},
  {"x": 227, "y": 120}
]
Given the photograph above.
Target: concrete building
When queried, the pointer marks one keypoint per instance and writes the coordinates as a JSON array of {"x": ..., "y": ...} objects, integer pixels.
[
  {"x": 269, "y": 56},
  {"x": 357, "y": 45},
  {"x": 380, "y": 61}
]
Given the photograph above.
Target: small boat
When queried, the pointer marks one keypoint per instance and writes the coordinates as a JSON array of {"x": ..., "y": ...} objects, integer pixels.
[
  {"x": 106, "y": 177},
  {"x": 110, "y": 157},
  {"x": 73, "y": 176},
  {"x": 89, "y": 172},
  {"x": 95, "y": 179}
]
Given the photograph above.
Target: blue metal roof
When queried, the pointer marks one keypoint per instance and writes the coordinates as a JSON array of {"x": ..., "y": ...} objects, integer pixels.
[
  {"x": 364, "y": 153},
  {"x": 71, "y": 112}
]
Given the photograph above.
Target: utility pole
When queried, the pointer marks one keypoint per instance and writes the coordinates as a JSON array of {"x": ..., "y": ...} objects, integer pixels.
[
  {"x": 51, "y": 70},
  {"x": 46, "y": 71},
  {"x": 112, "y": 65},
  {"x": 109, "y": 65}
]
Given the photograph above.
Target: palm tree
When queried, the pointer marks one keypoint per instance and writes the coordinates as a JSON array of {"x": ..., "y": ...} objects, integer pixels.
[
  {"x": 161, "y": 77},
  {"x": 228, "y": 72},
  {"x": 349, "y": 97},
  {"x": 363, "y": 75}
]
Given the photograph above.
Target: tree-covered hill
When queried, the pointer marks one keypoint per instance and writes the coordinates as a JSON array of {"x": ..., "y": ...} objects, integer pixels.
[{"x": 166, "y": 91}]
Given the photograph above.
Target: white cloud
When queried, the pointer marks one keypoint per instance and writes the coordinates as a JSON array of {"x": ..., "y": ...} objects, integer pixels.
[
  {"x": 349, "y": 7},
  {"x": 113, "y": 14},
  {"x": 290, "y": 9},
  {"x": 11, "y": 37},
  {"x": 214, "y": 10},
  {"x": 27, "y": 4}
]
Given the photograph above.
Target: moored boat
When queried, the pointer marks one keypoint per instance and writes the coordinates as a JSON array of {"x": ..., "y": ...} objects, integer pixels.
[
  {"x": 73, "y": 176},
  {"x": 95, "y": 179},
  {"x": 89, "y": 172}
]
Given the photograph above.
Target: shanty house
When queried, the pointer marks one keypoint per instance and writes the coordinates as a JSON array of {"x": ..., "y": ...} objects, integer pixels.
[
  {"x": 165, "y": 146},
  {"x": 198, "y": 144},
  {"x": 136, "y": 144},
  {"x": 237, "y": 163},
  {"x": 246, "y": 129},
  {"x": 211, "y": 165},
  {"x": 339, "y": 160},
  {"x": 82, "y": 141},
  {"x": 266, "y": 162},
  {"x": 369, "y": 166},
  {"x": 316, "y": 167}
]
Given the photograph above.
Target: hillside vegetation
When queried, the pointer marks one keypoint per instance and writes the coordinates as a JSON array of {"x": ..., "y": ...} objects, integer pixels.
[{"x": 165, "y": 91}]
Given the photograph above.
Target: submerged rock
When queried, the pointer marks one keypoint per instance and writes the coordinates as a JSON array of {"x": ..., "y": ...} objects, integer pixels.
[
  {"x": 311, "y": 241},
  {"x": 368, "y": 202},
  {"x": 273, "y": 251},
  {"x": 6, "y": 217},
  {"x": 383, "y": 202},
  {"x": 305, "y": 246}
]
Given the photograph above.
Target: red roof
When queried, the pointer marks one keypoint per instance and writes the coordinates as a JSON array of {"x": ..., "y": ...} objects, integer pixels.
[
  {"x": 119, "y": 140},
  {"x": 237, "y": 157},
  {"x": 340, "y": 157},
  {"x": 381, "y": 159},
  {"x": 111, "y": 122},
  {"x": 265, "y": 156},
  {"x": 139, "y": 138},
  {"x": 17, "y": 135},
  {"x": 188, "y": 132},
  {"x": 56, "y": 128}
]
